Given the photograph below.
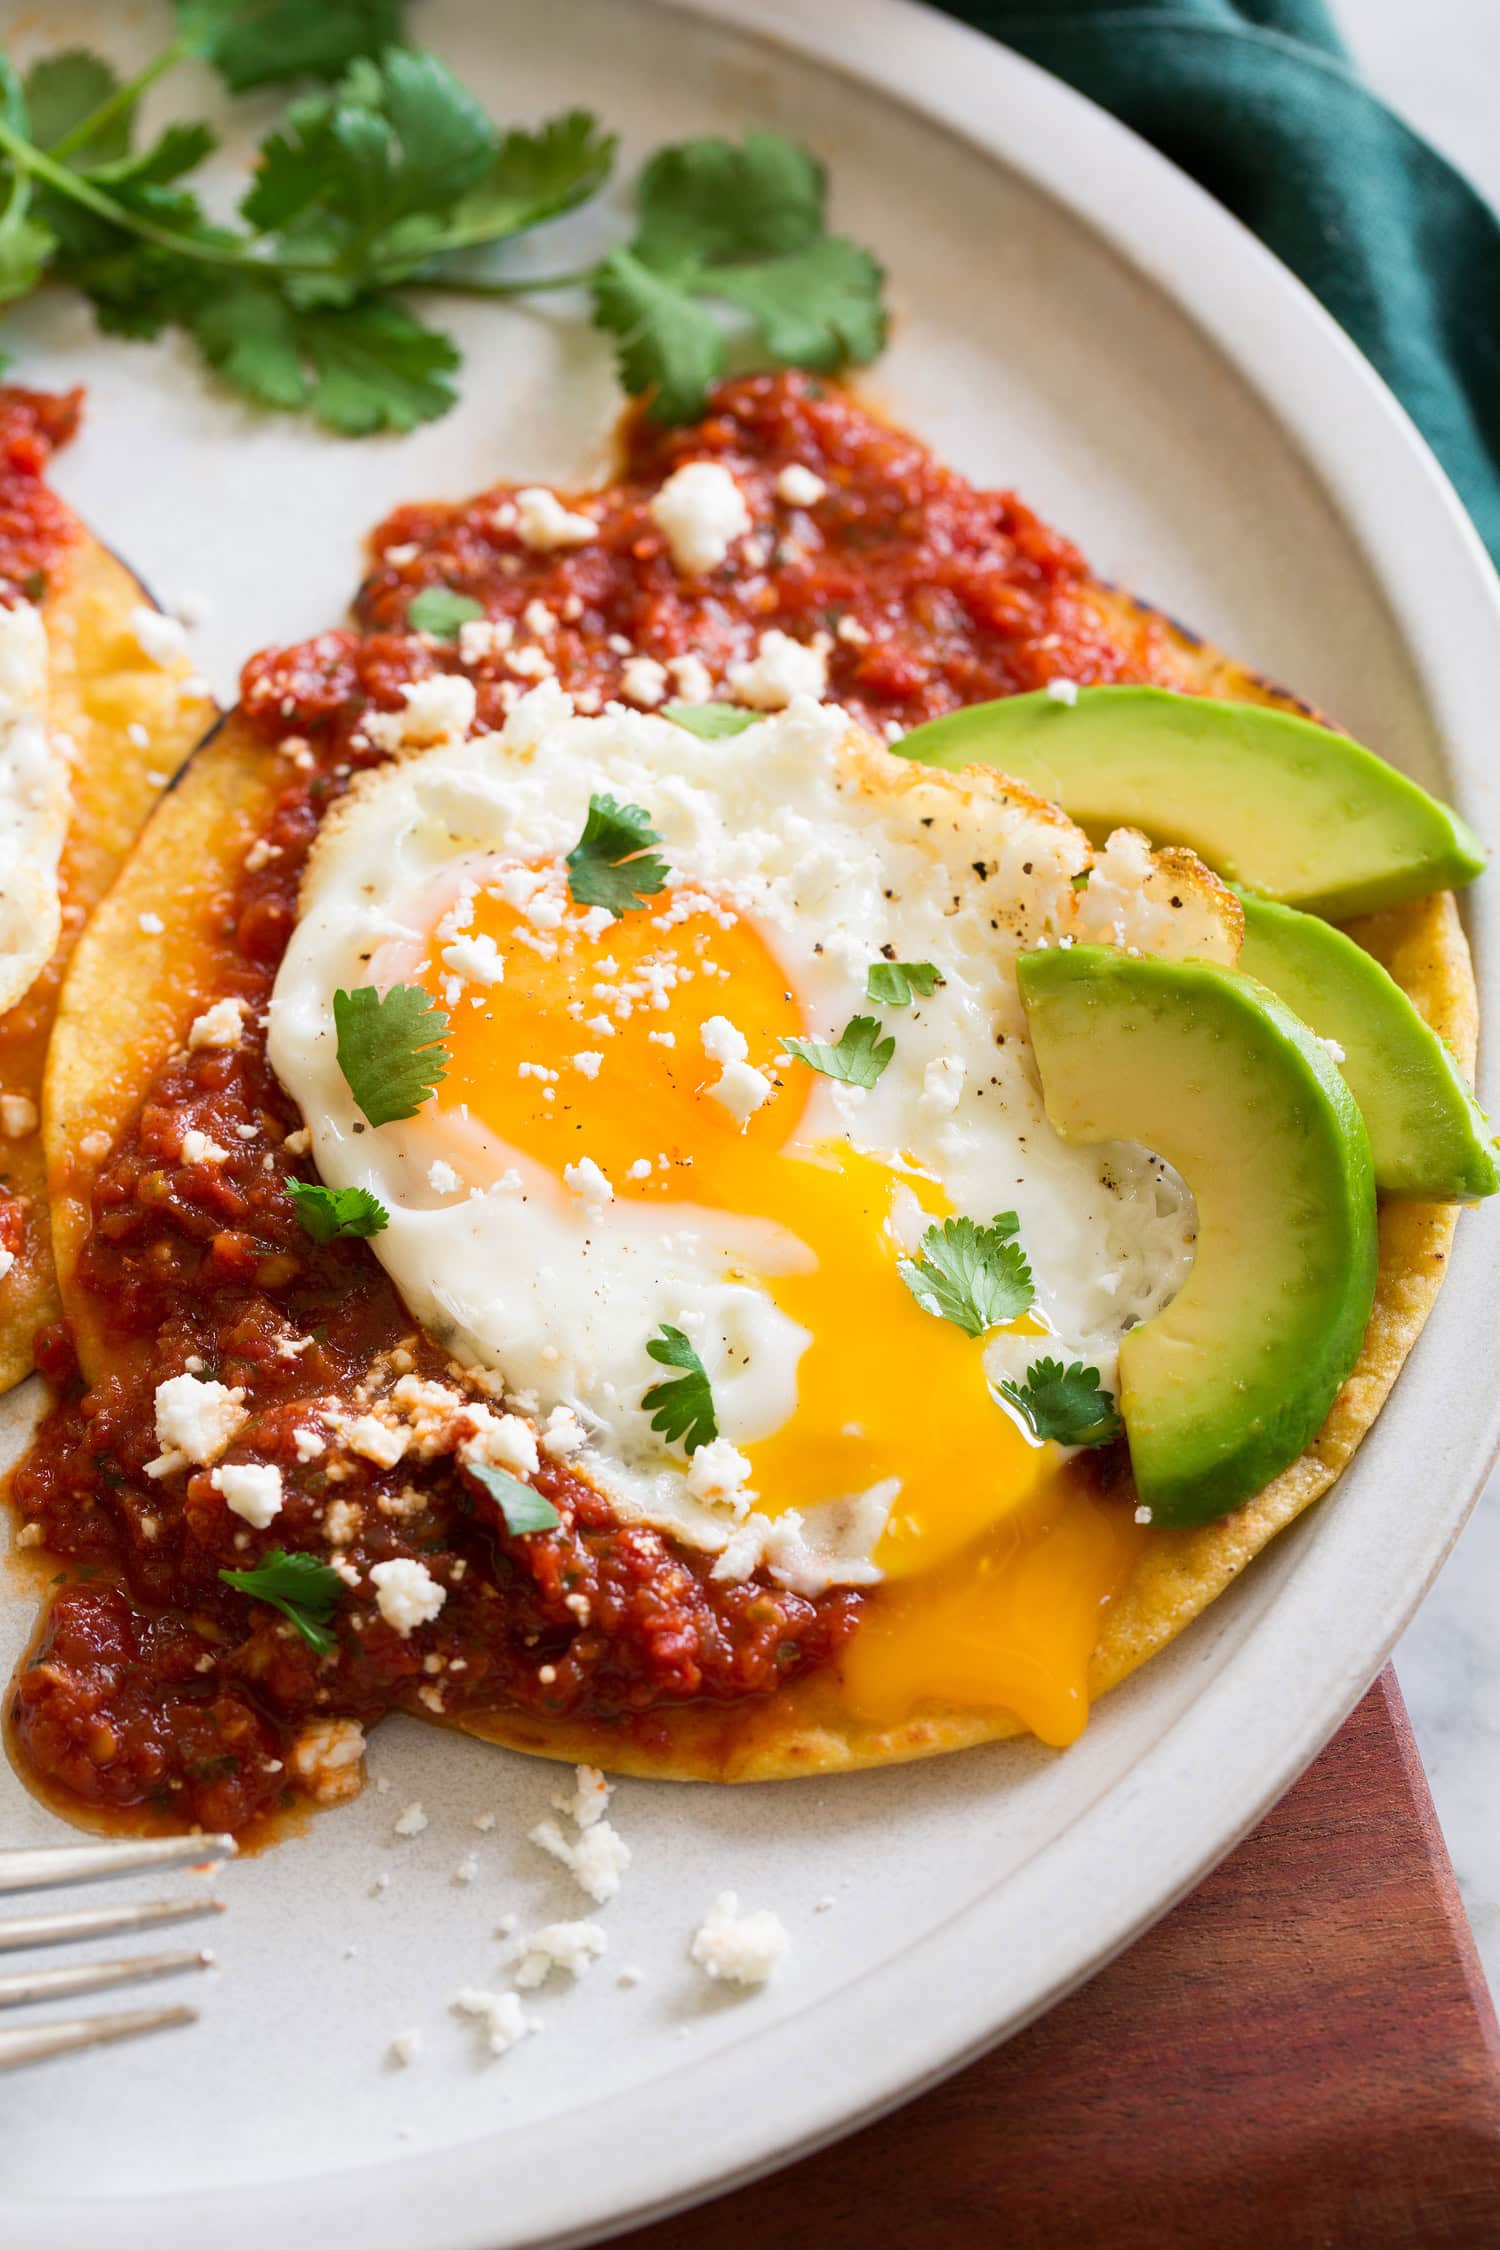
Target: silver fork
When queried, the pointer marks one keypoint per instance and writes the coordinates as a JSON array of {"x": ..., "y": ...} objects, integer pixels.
[{"x": 54, "y": 1866}]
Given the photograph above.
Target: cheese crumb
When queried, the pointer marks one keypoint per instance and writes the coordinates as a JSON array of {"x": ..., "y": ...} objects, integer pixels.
[
  {"x": 438, "y": 709},
  {"x": 194, "y": 1422},
  {"x": 588, "y": 1063},
  {"x": 411, "y": 1822},
  {"x": 589, "y": 1800},
  {"x": 18, "y": 1116},
  {"x": 700, "y": 511},
  {"x": 407, "y": 1595},
  {"x": 781, "y": 668},
  {"x": 477, "y": 958},
  {"x": 586, "y": 1180},
  {"x": 692, "y": 678},
  {"x": 442, "y": 1178},
  {"x": 218, "y": 1026},
  {"x": 542, "y": 522},
  {"x": 739, "y": 1948},
  {"x": 572, "y": 1947},
  {"x": 506, "y": 1441},
  {"x": 1063, "y": 691},
  {"x": 742, "y": 1090},
  {"x": 252, "y": 1491},
  {"x": 150, "y": 925},
  {"x": 596, "y": 1861},
  {"x": 160, "y": 639},
  {"x": 504, "y": 2019},
  {"x": 373, "y": 1440},
  {"x": 723, "y": 1041},
  {"x": 800, "y": 487},
  {"x": 564, "y": 1435},
  {"x": 405, "y": 2048},
  {"x": 720, "y": 1472},
  {"x": 644, "y": 682},
  {"x": 200, "y": 1148},
  {"x": 327, "y": 1758}
]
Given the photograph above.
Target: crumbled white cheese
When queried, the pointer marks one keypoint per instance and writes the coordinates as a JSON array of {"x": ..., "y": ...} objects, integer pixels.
[
  {"x": 644, "y": 682},
  {"x": 780, "y": 669},
  {"x": 692, "y": 679},
  {"x": 502, "y": 2015},
  {"x": 1332, "y": 1047},
  {"x": 467, "y": 1869},
  {"x": 200, "y": 1148},
  {"x": 160, "y": 639},
  {"x": 700, "y": 511},
  {"x": 251, "y": 1489},
  {"x": 327, "y": 1759},
  {"x": 438, "y": 709},
  {"x": 341, "y": 1518},
  {"x": 720, "y": 1472},
  {"x": 194, "y": 1422},
  {"x": 18, "y": 1116},
  {"x": 596, "y": 1861},
  {"x": 800, "y": 487},
  {"x": 570, "y": 1946},
  {"x": 405, "y": 2048},
  {"x": 477, "y": 958},
  {"x": 1063, "y": 691},
  {"x": 739, "y": 1948},
  {"x": 406, "y": 1593},
  {"x": 411, "y": 1822},
  {"x": 506, "y": 1441},
  {"x": 588, "y": 1063},
  {"x": 742, "y": 1090},
  {"x": 542, "y": 522},
  {"x": 564, "y": 1435},
  {"x": 150, "y": 925},
  {"x": 298, "y": 1143},
  {"x": 219, "y": 1026},
  {"x": 723, "y": 1041},
  {"x": 943, "y": 1084},
  {"x": 587, "y": 1181},
  {"x": 374, "y": 1440}
]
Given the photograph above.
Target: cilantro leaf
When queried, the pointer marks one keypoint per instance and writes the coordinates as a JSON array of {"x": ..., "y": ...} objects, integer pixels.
[
  {"x": 536, "y": 176},
  {"x": 890, "y": 984},
  {"x": 683, "y": 1408},
  {"x": 610, "y": 864},
  {"x": 359, "y": 368},
  {"x": 62, "y": 93},
  {"x": 523, "y": 1508},
  {"x": 390, "y": 1049},
  {"x": 258, "y": 42},
  {"x": 859, "y": 1057},
  {"x": 326, "y": 1213},
  {"x": 302, "y": 1588},
  {"x": 976, "y": 1276},
  {"x": 1065, "y": 1403},
  {"x": 711, "y": 721},
  {"x": 26, "y": 243},
  {"x": 440, "y": 611},
  {"x": 745, "y": 226}
]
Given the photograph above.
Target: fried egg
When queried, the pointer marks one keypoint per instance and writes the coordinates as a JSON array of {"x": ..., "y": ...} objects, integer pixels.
[{"x": 625, "y": 1141}]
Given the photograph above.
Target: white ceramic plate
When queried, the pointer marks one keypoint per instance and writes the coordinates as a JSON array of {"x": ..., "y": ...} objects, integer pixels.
[{"x": 1076, "y": 319}]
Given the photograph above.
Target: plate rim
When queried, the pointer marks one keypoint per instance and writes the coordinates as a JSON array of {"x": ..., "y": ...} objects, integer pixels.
[{"x": 1343, "y": 421}]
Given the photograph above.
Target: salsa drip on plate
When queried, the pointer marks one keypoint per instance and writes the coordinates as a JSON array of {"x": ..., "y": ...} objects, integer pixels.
[{"x": 153, "y": 1684}]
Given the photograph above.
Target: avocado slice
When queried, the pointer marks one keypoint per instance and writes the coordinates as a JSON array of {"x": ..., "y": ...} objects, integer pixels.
[
  {"x": 1207, "y": 1068},
  {"x": 1428, "y": 1136},
  {"x": 1296, "y": 811}
]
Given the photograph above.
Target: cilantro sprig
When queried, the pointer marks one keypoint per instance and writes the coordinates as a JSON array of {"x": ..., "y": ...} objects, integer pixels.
[
  {"x": 684, "y": 1408},
  {"x": 711, "y": 721},
  {"x": 1065, "y": 1403},
  {"x": 391, "y": 179},
  {"x": 891, "y": 984},
  {"x": 329, "y": 1213},
  {"x": 974, "y": 1275},
  {"x": 611, "y": 864},
  {"x": 521, "y": 1505},
  {"x": 858, "y": 1058},
  {"x": 305, "y": 1591},
  {"x": 390, "y": 1049}
]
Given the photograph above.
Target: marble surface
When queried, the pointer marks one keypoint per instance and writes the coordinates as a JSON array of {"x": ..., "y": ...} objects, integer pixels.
[{"x": 1440, "y": 66}]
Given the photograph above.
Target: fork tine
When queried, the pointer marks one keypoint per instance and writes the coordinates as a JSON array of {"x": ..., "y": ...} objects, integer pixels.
[
  {"x": 100, "y": 1921},
  {"x": 56, "y": 1864},
  {"x": 94, "y": 1976},
  {"x": 39, "y": 2041}
]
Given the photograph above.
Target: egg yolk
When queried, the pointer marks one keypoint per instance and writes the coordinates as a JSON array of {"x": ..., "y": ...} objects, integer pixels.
[{"x": 594, "y": 1048}]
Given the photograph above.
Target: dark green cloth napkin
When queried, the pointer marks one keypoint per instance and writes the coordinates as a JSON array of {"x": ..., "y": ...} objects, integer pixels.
[{"x": 1257, "y": 100}]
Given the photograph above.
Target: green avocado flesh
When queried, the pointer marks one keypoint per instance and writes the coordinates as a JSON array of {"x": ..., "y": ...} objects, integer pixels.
[
  {"x": 1428, "y": 1136},
  {"x": 1203, "y": 1066},
  {"x": 1288, "y": 807}
]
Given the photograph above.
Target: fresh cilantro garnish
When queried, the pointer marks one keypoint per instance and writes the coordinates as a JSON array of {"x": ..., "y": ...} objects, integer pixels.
[
  {"x": 859, "y": 1058},
  {"x": 302, "y": 1588},
  {"x": 1080, "y": 881},
  {"x": 744, "y": 226},
  {"x": 974, "y": 1275},
  {"x": 390, "y": 1049},
  {"x": 326, "y": 1212},
  {"x": 389, "y": 178},
  {"x": 711, "y": 720},
  {"x": 611, "y": 865},
  {"x": 523, "y": 1508},
  {"x": 891, "y": 983},
  {"x": 683, "y": 1408},
  {"x": 1065, "y": 1403},
  {"x": 440, "y": 611}
]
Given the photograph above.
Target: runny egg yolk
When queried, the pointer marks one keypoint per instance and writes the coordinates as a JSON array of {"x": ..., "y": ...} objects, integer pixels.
[{"x": 884, "y": 1389}]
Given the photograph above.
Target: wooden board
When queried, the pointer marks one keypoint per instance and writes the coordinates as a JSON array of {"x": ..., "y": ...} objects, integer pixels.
[{"x": 1302, "y": 2056}]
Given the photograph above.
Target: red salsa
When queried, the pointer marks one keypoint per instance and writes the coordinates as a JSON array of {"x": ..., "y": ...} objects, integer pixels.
[{"x": 153, "y": 1684}]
